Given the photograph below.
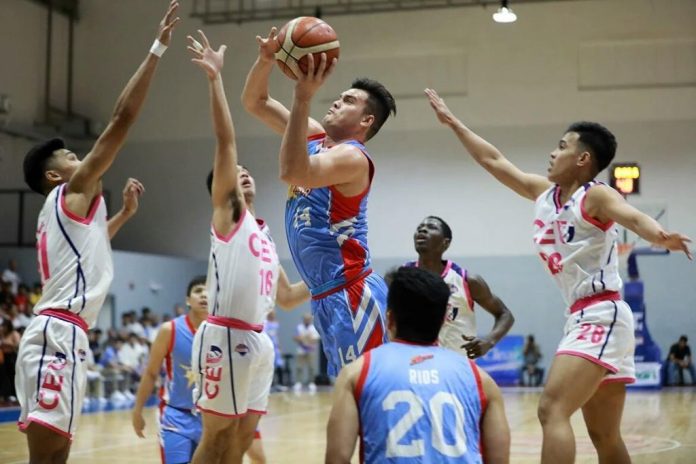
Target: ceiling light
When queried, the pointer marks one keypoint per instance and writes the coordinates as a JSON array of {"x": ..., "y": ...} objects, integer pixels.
[{"x": 504, "y": 14}]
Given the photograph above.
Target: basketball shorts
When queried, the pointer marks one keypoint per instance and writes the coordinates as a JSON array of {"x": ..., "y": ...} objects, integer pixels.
[
  {"x": 51, "y": 374},
  {"x": 180, "y": 433},
  {"x": 235, "y": 370},
  {"x": 351, "y": 321},
  {"x": 603, "y": 334}
]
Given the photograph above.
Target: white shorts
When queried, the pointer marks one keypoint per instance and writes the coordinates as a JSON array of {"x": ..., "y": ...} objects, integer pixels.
[
  {"x": 51, "y": 374},
  {"x": 234, "y": 370},
  {"x": 603, "y": 334}
]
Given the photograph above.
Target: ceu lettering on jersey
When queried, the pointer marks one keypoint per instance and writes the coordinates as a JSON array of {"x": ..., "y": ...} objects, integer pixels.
[
  {"x": 74, "y": 255},
  {"x": 460, "y": 319},
  {"x": 180, "y": 378},
  {"x": 579, "y": 251},
  {"x": 327, "y": 232},
  {"x": 419, "y": 404},
  {"x": 242, "y": 272}
]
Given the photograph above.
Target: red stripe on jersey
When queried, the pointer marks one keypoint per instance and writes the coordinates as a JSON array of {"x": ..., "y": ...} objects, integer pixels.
[
  {"x": 355, "y": 294},
  {"x": 43, "y": 256},
  {"x": 484, "y": 402},
  {"x": 360, "y": 384},
  {"x": 318, "y": 136},
  {"x": 376, "y": 337},
  {"x": 189, "y": 324},
  {"x": 469, "y": 299},
  {"x": 603, "y": 226},
  {"x": 76, "y": 217}
]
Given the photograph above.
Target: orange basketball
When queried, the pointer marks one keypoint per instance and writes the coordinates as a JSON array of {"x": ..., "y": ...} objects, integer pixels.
[{"x": 302, "y": 36}]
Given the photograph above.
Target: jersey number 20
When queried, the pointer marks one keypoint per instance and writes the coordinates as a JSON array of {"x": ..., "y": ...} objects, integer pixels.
[{"x": 436, "y": 405}]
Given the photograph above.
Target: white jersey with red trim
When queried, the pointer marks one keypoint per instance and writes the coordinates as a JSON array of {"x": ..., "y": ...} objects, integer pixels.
[
  {"x": 460, "y": 319},
  {"x": 74, "y": 257},
  {"x": 242, "y": 272},
  {"x": 579, "y": 251}
]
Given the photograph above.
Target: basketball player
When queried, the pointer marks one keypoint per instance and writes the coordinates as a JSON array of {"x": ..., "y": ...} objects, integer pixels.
[
  {"x": 413, "y": 401},
  {"x": 75, "y": 264},
  {"x": 232, "y": 358},
  {"x": 329, "y": 173},
  {"x": 180, "y": 429},
  {"x": 576, "y": 239},
  {"x": 432, "y": 238}
]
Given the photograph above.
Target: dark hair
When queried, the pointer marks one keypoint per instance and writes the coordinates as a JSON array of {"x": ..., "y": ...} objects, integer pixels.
[
  {"x": 380, "y": 103},
  {"x": 598, "y": 140},
  {"x": 446, "y": 230},
  {"x": 198, "y": 280},
  {"x": 35, "y": 163},
  {"x": 418, "y": 300},
  {"x": 683, "y": 337}
]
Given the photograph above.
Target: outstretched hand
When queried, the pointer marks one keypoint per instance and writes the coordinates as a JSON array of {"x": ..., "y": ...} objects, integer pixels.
[
  {"x": 131, "y": 195},
  {"x": 167, "y": 24},
  {"x": 443, "y": 113},
  {"x": 675, "y": 241},
  {"x": 476, "y": 347},
  {"x": 308, "y": 83},
  {"x": 204, "y": 56},
  {"x": 268, "y": 46}
]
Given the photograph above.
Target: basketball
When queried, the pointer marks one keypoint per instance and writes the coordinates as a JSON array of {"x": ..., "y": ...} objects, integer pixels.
[{"x": 302, "y": 36}]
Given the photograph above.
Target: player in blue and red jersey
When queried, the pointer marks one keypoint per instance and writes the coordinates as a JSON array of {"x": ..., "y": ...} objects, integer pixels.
[{"x": 330, "y": 174}]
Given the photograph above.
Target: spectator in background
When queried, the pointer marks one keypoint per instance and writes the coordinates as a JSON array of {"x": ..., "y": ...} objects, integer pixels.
[
  {"x": 94, "y": 344},
  {"x": 307, "y": 339},
  {"x": 35, "y": 294},
  {"x": 6, "y": 295},
  {"x": 151, "y": 326},
  {"x": 22, "y": 298},
  {"x": 531, "y": 370},
  {"x": 11, "y": 277},
  {"x": 9, "y": 343},
  {"x": 113, "y": 372},
  {"x": 20, "y": 318},
  {"x": 680, "y": 360},
  {"x": 130, "y": 325},
  {"x": 179, "y": 310},
  {"x": 271, "y": 327},
  {"x": 132, "y": 357}
]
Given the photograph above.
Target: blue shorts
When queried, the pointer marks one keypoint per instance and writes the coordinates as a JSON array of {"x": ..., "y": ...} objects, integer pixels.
[
  {"x": 351, "y": 321},
  {"x": 180, "y": 432}
]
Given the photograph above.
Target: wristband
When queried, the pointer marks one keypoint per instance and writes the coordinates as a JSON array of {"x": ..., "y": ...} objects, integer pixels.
[{"x": 158, "y": 48}]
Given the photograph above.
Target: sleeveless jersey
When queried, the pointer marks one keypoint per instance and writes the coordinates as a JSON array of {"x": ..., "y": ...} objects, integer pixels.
[
  {"x": 419, "y": 404},
  {"x": 579, "y": 251},
  {"x": 460, "y": 319},
  {"x": 326, "y": 231},
  {"x": 74, "y": 255},
  {"x": 267, "y": 232},
  {"x": 178, "y": 386},
  {"x": 242, "y": 272}
]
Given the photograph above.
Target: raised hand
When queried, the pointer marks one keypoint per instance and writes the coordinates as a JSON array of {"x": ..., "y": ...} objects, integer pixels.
[
  {"x": 443, "y": 113},
  {"x": 268, "y": 46},
  {"x": 167, "y": 24},
  {"x": 204, "y": 56},
  {"x": 131, "y": 194},
  {"x": 675, "y": 241},
  {"x": 308, "y": 83}
]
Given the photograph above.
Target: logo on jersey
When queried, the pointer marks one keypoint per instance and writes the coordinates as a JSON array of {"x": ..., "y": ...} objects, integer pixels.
[
  {"x": 452, "y": 313},
  {"x": 295, "y": 191},
  {"x": 420, "y": 358},
  {"x": 58, "y": 362},
  {"x": 82, "y": 354},
  {"x": 562, "y": 229},
  {"x": 242, "y": 349},
  {"x": 190, "y": 375},
  {"x": 214, "y": 355}
]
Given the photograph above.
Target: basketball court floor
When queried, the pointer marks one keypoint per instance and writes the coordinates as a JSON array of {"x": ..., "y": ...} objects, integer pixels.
[{"x": 659, "y": 427}]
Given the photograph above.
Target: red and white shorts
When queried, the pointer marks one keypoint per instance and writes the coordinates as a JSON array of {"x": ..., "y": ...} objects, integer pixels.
[
  {"x": 52, "y": 374},
  {"x": 603, "y": 334},
  {"x": 234, "y": 370}
]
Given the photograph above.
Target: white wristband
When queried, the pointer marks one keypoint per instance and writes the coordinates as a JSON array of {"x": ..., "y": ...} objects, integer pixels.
[{"x": 158, "y": 48}]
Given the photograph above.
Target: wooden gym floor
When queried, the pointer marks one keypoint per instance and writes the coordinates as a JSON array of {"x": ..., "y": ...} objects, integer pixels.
[{"x": 658, "y": 427}]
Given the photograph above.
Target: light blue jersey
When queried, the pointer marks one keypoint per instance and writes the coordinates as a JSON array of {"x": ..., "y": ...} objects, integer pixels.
[{"x": 419, "y": 404}]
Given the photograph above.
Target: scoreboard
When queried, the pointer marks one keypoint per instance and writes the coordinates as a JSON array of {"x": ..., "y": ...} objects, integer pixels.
[{"x": 625, "y": 178}]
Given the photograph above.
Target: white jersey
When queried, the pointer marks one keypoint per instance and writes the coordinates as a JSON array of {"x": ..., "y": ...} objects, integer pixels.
[
  {"x": 579, "y": 251},
  {"x": 267, "y": 231},
  {"x": 74, "y": 257},
  {"x": 459, "y": 319},
  {"x": 242, "y": 272}
]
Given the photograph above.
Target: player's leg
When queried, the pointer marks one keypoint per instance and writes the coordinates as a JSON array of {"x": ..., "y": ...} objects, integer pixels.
[
  {"x": 242, "y": 439},
  {"x": 571, "y": 383},
  {"x": 602, "y": 415},
  {"x": 217, "y": 437},
  {"x": 46, "y": 446},
  {"x": 255, "y": 451}
]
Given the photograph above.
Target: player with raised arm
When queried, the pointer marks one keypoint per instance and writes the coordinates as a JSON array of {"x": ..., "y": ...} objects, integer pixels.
[
  {"x": 576, "y": 239},
  {"x": 74, "y": 253}
]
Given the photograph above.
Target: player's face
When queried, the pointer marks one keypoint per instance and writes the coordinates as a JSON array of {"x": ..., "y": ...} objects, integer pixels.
[
  {"x": 62, "y": 165},
  {"x": 198, "y": 298},
  {"x": 348, "y": 112},
  {"x": 429, "y": 236},
  {"x": 563, "y": 163},
  {"x": 246, "y": 182}
]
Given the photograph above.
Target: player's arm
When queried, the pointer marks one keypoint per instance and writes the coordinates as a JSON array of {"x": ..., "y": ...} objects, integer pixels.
[
  {"x": 606, "y": 204},
  {"x": 481, "y": 294},
  {"x": 255, "y": 96},
  {"x": 131, "y": 192},
  {"x": 489, "y": 157},
  {"x": 290, "y": 295},
  {"x": 158, "y": 351},
  {"x": 84, "y": 185},
  {"x": 342, "y": 430},
  {"x": 495, "y": 432},
  {"x": 225, "y": 193}
]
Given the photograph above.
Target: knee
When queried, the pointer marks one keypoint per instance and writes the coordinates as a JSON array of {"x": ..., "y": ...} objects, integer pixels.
[
  {"x": 217, "y": 441},
  {"x": 548, "y": 410}
]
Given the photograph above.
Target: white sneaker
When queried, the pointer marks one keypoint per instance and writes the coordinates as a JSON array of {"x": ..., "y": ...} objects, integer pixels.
[
  {"x": 297, "y": 387},
  {"x": 312, "y": 387}
]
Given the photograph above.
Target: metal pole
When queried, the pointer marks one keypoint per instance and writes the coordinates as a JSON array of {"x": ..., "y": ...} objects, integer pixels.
[{"x": 47, "y": 83}]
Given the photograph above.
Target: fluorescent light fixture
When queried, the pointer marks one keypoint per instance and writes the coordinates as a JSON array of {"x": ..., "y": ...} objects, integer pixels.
[{"x": 504, "y": 14}]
